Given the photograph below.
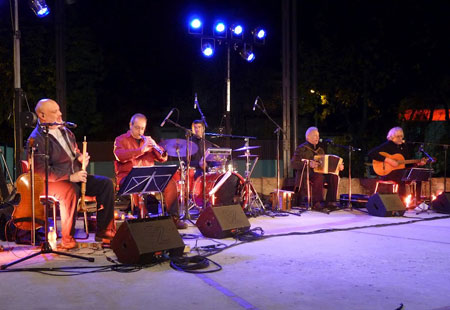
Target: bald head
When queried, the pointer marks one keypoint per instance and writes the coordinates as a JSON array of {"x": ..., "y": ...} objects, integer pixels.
[{"x": 48, "y": 111}]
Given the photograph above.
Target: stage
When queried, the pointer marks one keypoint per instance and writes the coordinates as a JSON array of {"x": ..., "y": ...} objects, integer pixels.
[{"x": 343, "y": 260}]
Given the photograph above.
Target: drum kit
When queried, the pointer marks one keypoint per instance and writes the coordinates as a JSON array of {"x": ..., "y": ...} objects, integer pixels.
[{"x": 223, "y": 185}]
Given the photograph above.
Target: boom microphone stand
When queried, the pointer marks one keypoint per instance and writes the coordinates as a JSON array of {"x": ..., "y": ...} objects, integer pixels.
[
  {"x": 277, "y": 131},
  {"x": 45, "y": 247},
  {"x": 445, "y": 147},
  {"x": 205, "y": 124},
  {"x": 188, "y": 134},
  {"x": 350, "y": 150}
]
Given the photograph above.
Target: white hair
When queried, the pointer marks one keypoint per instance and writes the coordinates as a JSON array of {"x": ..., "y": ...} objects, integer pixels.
[
  {"x": 392, "y": 132},
  {"x": 309, "y": 130}
]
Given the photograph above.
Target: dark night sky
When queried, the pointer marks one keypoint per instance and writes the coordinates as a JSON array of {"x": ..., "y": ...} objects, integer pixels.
[{"x": 144, "y": 60}]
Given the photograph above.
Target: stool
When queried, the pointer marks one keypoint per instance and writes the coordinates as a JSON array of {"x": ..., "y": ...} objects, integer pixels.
[{"x": 394, "y": 185}]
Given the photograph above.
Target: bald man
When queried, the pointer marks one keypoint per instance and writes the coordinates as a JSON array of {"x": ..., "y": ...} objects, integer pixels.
[{"x": 65, "y": 175}]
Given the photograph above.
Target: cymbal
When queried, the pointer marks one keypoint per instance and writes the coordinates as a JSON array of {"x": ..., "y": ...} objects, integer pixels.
[
  {"x": 245, "y": 148},
  {"x": 172, "y": 145},
  {"x": 248, "y": 155}
]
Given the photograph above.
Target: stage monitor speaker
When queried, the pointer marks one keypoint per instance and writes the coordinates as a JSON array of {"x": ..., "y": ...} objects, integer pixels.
[
  {"x": 442, "y": 203},
  {"x": 385, "y": 205},
  {"x": 221, "y": 222},
  {"x": 143, "y": 241}
]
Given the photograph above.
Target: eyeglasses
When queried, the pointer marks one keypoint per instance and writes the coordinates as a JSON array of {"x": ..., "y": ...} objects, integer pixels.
[{"x": 138, "y": 127}]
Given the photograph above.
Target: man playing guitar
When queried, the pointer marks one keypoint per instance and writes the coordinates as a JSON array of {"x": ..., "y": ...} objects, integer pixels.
[{"x": 389, "y": 160}]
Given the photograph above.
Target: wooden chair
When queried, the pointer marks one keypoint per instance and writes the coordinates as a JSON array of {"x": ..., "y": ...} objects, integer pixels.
[
  {"x": 90, "y": 202},
  {"x": 392, "y": 183}
]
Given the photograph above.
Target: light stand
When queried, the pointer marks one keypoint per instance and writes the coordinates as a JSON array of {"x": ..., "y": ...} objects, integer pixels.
[{"x": 45, "y": 247}]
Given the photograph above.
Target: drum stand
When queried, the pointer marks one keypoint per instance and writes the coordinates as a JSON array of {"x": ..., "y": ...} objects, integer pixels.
[{"x": 254, "y": 205}]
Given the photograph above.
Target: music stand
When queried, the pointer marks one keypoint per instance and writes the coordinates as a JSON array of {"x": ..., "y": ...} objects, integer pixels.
[
  {"x": 415, "y": 175},
  {"x": 145, "y": 180}
]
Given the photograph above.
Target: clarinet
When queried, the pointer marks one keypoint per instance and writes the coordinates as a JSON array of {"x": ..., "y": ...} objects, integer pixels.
[{"x": 155, "y": 146}]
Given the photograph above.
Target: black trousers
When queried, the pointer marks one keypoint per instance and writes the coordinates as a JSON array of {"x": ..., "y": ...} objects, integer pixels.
[
  {"x": 317, "y": 181},
  {"x": 68, "y": 193},
  {"x": 396, "y": 176}
]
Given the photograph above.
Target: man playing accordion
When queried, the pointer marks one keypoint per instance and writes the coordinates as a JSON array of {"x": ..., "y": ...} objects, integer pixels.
[{"x": 302, "y": 160}]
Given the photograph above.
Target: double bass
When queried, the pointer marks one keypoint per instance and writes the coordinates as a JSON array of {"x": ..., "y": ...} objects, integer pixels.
[{"x": 29, "y": 214}]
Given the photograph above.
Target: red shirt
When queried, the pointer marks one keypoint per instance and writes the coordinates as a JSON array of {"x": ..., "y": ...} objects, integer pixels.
[{"x": 128, "y": 153}]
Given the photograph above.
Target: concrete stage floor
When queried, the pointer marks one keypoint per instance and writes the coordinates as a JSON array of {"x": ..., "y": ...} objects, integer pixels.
[{"x": 344, "y": 260}]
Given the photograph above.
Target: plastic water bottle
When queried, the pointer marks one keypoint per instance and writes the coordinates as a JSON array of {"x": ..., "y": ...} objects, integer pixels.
[{"x": 52, "y": 238}]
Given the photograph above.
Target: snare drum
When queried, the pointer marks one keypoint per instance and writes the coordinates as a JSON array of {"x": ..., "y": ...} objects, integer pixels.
[{"x": 223, "y": 191}]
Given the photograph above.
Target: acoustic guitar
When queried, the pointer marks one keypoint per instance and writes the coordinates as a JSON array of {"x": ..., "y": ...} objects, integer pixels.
[{"x": 382, "y": 168}]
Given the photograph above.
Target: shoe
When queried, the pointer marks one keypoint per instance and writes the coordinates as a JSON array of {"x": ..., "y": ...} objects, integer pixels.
[
  {"x": 319, "y": 206},
  {"x": 179, "y": 223},
  {"x": 333, "y": 206},
  {"x": 68, "y": 243},
  {"x": 105, "y": 236}
]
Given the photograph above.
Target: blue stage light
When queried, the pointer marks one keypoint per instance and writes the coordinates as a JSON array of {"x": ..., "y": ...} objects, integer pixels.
[
  {"x": 196, "y": 23},
  {"x": 261, "y": 34},
  {"x": 238, "y": 30},
  {"x": 195, "y": 26},
  {"x": 220, "y": 30},
  {"x": 208, "y": 47},
  {"x": 39, "y": 8},
  {"x": 247, "y": 53},
  {"x": 220, "y": 27}
]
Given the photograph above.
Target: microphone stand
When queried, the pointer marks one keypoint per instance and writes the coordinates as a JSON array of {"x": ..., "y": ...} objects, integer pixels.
[
  {"x": 45, "y": 247},
  {"x": 203, "y": 153},
  {"x": 445, "y": 147},
  {"x": 188, "y": 134},
  {"x": 350, "y": 150},
  {"x": 277, "y": 132}
]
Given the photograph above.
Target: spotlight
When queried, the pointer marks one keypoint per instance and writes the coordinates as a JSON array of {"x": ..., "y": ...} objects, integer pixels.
[
  {"x": 195, "y": 26},
  {"x": 247, "y": 53},
  {"x": 259, "y": 35},
  {"x": 39, "y": 8},
  {"x": 208, "y": 47},
  {"x": 237, "y": 31},
  {"x": 220, "y": 30}
]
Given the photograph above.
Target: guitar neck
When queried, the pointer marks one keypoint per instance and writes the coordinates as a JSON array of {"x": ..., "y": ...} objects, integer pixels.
[{"x": 408, "y": 161}]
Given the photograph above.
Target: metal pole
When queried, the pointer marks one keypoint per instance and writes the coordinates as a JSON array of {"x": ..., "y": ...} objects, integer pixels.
[
  {"x": 18, "y": 134},
  {"x": 294, "y": 76},
  {"x": 60, "y": 57},
  {"x": 228, "y": 103}
]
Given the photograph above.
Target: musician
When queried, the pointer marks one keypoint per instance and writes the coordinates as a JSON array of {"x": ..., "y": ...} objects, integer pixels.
[
  {"x": 305, "y": 152},
  {"x": 198, "y": 128},
  {"x": 134, "y": 149},
  {"x": 395, "y": 145},
  {"x": 65, "y": 176}
]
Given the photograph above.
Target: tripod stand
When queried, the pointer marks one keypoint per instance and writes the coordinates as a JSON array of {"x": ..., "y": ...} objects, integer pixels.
[
  {"x": 45, "y": 247},
  {"x": 253, "y": 203}
]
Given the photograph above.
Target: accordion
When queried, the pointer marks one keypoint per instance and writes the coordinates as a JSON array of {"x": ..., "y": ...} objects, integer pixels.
[{"x": 328, "y": 164}]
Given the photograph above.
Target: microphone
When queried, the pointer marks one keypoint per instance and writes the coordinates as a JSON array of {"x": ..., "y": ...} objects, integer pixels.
[
  {"x": 70, "y": 125},
  {"x": 256, "y": 103},
  {"x": 167, "y": 117},
  {"x": 329, "y": 141},
  {"x": 195, "y": 102}
]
